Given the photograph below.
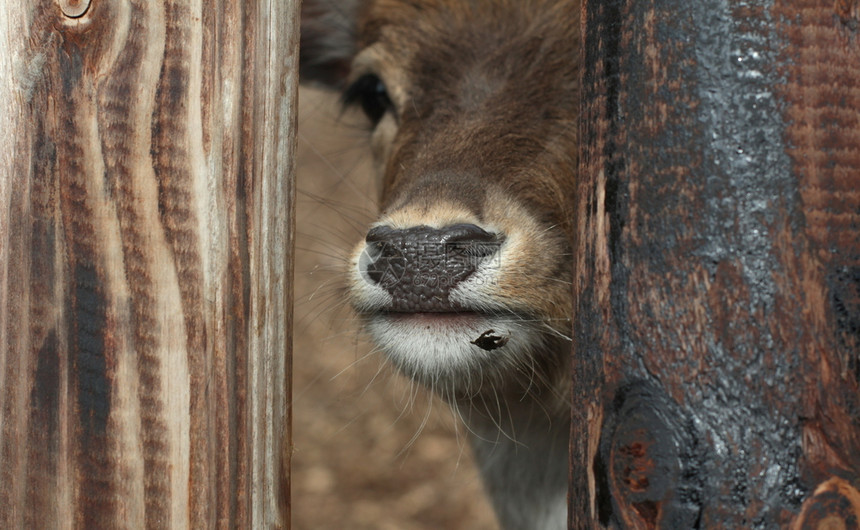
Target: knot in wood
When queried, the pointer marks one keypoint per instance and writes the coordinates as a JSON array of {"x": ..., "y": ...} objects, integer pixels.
[
  {"x": 835, "y": 505},
  {"x": 651, "y": 467},
  {"x": 74, "y": 8}
]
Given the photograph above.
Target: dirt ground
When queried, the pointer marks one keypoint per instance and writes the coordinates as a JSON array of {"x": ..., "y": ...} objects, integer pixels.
[{"x": 371, "y": 451}]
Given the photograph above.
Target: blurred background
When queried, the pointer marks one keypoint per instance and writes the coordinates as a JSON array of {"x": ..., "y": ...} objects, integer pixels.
[{"x": 371, "y": 451}]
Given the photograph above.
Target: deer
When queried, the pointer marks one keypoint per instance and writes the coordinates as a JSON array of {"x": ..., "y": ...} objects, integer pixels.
[{"x": 464, "y": 281}]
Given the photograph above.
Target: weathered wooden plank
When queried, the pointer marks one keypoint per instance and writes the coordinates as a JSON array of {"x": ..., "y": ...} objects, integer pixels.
[
  {"x": 716, "y": 379},
  {"x": 146, "y": 202}
]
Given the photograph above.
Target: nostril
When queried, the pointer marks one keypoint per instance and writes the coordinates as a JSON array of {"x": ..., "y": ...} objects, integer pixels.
[
  {"x": 470, "y": 241},
  {"x": 382, "y": 259},
  {"x": 380, "y": 234},
  {"x": 465, "y": 233},
  {"x": 383, "y": 242},
  {"x": 374, "y": 249}
]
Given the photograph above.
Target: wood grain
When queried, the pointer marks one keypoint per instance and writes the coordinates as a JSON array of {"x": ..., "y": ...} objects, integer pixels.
[
  {"x": 146, "y": 263},
  {"x": 717, "y": 324}
]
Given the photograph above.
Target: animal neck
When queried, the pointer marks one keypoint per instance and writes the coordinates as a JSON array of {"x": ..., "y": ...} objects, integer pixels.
[{"x": 522, "y": 452}]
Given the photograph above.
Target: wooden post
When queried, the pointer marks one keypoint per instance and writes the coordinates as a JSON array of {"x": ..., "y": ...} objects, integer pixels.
[
  {"x": 146, "y": 232},
  {"x": 716, "y": 377}
]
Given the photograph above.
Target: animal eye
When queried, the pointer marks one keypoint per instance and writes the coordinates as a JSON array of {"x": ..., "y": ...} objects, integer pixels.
[{"x": 370, "y": 93}]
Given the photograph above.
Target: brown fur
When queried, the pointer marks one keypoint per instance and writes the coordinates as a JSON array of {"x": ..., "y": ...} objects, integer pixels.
[
  {"x": 495, "y": 110},
  {"x": 482, "y": 131}
]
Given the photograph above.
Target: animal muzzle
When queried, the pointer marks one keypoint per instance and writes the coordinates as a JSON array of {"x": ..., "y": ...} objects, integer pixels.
[{"x": 420, "y": 266}]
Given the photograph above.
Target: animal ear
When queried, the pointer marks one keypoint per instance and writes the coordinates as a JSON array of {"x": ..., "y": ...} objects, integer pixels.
[{"x": 328, "y": 41}]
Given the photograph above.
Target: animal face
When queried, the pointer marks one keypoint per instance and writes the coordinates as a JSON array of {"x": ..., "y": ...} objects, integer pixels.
[{"x": 464, "y": 280}]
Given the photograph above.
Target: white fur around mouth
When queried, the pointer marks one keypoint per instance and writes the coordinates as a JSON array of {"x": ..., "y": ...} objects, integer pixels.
[{"x": 440, "y": 348}]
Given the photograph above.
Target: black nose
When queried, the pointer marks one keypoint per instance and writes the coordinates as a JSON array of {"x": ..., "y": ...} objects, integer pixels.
[{"x": 419, "y": 266}]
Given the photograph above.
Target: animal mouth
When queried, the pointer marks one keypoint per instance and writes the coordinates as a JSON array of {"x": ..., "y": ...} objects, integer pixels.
[
  {"x": 433, "y": 316},
  {"x": 428, "y": 285},
  {"x": 452, "y": 315},
  {"x": 441, "y": 321},
  {"x": 484, "y": 330}
]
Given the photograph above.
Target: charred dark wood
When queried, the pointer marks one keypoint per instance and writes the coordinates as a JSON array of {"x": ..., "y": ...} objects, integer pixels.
[{"x": 716, "y": 371}]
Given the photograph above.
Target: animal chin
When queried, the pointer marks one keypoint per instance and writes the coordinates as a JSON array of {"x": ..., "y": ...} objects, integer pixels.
[{"x": 455, "y": 351}]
